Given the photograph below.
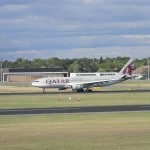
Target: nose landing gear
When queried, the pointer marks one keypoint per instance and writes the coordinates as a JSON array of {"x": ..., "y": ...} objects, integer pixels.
[{"x": 43, "y": 90}]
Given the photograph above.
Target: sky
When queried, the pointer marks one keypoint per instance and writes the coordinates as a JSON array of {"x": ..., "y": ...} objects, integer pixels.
[{"x": 32, "y": 29}]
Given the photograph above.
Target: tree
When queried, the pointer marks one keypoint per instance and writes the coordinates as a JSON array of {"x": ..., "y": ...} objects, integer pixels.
[
  {"x": 74, "y": 67},
  {"x": 38, "y": 63}
]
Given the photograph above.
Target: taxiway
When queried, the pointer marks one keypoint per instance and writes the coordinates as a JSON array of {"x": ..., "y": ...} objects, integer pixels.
[{"x": 70, "y": 92}]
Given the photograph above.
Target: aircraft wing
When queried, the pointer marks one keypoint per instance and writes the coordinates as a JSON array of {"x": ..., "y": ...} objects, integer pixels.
[
  {"x": 88, "y": 84},
  {"x": 94, "y": 83}
]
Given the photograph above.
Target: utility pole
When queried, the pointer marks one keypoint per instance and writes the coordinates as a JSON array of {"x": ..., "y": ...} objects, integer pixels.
[
  {"x": 1, "y": 70},
  {"x": 148, "y": 69}
]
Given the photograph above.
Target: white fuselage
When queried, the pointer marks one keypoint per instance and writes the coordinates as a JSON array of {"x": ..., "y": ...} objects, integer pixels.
[{"x": 66, "y": 82}]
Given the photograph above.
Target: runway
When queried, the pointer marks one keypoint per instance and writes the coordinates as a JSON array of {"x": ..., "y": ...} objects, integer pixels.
[
  {"x": 70, "y": 92},
  {"x": 72, "y": 110}
]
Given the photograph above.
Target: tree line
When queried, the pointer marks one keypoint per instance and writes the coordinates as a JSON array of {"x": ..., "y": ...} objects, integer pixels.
[{"x": 75, "y": 65}]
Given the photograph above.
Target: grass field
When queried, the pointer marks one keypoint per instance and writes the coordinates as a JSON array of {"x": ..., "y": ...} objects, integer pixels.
[
  {"x": 63, "y": 100},
  {"x": 116, "y": 131},
  {"x": 67, "y": 99},
  {"x": 96, "y": 131}
]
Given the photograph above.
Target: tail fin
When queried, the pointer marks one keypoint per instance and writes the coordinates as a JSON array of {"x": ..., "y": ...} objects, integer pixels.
[{"x": 128, "y": 68}]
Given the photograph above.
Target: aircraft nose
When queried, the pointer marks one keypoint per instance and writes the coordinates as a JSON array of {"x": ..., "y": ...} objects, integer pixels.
[{"x": 35, "y": 83}]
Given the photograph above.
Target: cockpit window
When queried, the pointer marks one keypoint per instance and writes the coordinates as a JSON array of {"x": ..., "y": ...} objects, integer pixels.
[{"x": 36, "y": 81}]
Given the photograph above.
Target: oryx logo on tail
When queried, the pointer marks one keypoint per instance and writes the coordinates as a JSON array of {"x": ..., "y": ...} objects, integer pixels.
[{"x": 128, "y": 68}]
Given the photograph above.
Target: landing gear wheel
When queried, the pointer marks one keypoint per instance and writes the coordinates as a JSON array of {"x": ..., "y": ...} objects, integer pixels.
[
  {"x": 80, "y": 90},
  {"x": 88, "y": 90}
]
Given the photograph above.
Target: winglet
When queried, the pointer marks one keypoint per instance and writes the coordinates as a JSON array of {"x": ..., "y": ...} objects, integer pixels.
[{"x": 128, "y": 68}]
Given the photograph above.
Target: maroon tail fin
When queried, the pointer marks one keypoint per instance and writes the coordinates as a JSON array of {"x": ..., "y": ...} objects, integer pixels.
[{"x": 128, "y": 68}]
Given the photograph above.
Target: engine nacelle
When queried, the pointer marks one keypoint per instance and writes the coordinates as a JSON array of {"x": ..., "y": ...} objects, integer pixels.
[
  {"x": 77, "y": 87},
  {"x": 63, "y": 88}
]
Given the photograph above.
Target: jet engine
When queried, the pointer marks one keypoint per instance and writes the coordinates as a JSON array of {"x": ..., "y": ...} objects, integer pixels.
[
  {"x": 78, "y": 88},
  {"x": 63, "y": 88}
]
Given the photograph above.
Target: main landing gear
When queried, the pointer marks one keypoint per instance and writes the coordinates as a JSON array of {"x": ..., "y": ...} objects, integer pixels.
[
  {"x": 80, "y": 90},
  {"x": 86, "y": 90}
]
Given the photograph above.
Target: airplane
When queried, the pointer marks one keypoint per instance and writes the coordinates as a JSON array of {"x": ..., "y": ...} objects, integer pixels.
[{"x": 81, "y": 82}]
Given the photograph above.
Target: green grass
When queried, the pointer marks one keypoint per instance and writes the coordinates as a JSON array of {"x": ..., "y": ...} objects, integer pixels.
[
  {"x": 105, "y": 131},
  {"x": 117, "y": 131},
  {"x": 63, "y": 100}
]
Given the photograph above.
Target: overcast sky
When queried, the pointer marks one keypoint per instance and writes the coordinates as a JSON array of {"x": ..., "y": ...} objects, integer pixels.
[{"x": 74, "y": 28}]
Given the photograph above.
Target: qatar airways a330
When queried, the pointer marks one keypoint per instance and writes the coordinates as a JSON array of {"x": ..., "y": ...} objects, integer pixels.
[{"x": 85, "y": 81}]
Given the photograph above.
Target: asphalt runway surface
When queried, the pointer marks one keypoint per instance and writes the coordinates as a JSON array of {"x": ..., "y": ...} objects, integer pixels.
[
  {"x": 70, "y": 92},
  {"x": 63, "y": 110},
  {"x": 72, "y": 110}
]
